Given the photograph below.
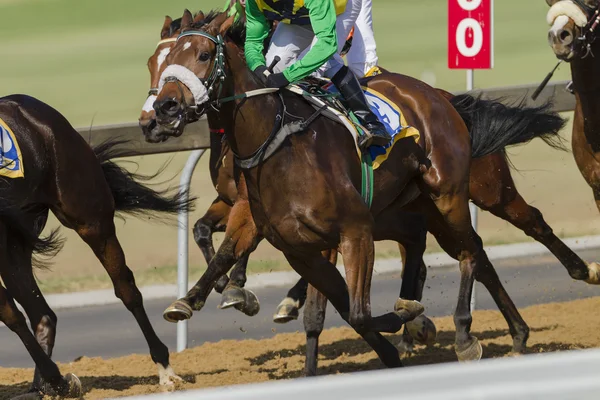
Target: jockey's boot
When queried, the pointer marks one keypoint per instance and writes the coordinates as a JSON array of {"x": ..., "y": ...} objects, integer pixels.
[{"x": 347, "y": 84}]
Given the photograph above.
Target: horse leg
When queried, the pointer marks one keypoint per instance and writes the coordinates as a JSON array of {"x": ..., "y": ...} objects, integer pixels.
[
  {"x": 245, "y": 235},
  {"x": 467, "y": 346},
  {"x": 325, "y": 278},
  {"x": 454, "y": 209},
  {"x": 421, "y": 329},
  {"x": 500, "y": 197},
  {"x": 314, "y": 320},
  {"x": 94, "y": 223},
  {"x": 289, "y": 308},
  {"x": 241, "y": 238},
  {"x": 517, "y": 327},
  {"x": 22, "y": 285},
  {"x": 67, "y": 386},
  {"x": 214, "y": 220},
  {"x": 412, "y": 244},
  {"x": 39, "y": 346}
]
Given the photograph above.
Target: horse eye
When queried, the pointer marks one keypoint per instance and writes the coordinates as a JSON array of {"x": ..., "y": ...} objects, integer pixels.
[{"x": 204, "y": 56}]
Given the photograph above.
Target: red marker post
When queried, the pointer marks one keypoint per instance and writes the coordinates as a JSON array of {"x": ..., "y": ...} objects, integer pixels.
[{"x": 471, "y": 47}]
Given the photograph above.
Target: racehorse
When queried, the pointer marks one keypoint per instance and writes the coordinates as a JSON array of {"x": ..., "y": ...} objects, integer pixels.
[
  {"x": 572, "y": 38},
  {"x": 83, "y": 189},
  {"x": 315, "y": 174},
  {"x": 491, "y": 188}
]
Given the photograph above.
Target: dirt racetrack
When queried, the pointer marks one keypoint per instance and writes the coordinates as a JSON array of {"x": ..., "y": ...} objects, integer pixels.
[{"x": 554, "y": 327}]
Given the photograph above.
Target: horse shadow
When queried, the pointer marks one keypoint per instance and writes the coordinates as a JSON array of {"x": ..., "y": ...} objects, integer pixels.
[{"x": 441, "y": 352}]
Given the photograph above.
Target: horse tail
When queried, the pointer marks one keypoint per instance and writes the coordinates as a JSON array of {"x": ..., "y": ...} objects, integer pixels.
[
  {"x": 133, "y": 197},
  {"x": 494, "y": 125}
]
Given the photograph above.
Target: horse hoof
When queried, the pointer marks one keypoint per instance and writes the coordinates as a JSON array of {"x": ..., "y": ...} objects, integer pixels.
[
  {"x": 232, "y": 296},
  {"x": 251, "y": 305},
  {"x": 594, "y": 274},
  {"x": 287, "y": 311},
  {"x": 472, "y": 352},
  {"x": 422, "y": 329},
  {"x": 167, "y": 377},
  {"x": 178, "y": 311},
  {"x": 73, "y": 387},
  {"x": 408, "y": 309}
]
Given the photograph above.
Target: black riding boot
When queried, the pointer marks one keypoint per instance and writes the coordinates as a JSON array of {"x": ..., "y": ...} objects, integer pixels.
[{"x": 347, "y": 84}]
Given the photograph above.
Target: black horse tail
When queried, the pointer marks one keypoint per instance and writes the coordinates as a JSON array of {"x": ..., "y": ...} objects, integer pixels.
[
  {"x": 494, "y": 125},
  {"x": 130, "y": 195}
]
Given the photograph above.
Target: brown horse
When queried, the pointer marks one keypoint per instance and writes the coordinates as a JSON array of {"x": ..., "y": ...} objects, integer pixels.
[
  {"x": 302, "y": 214},
  {"x": 491, "y": 188},
  {"x": 84, "y": 190},
  {"x": 573, "y": 39}
]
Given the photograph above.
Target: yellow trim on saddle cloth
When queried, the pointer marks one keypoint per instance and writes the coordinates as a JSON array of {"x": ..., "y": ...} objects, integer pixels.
[
  {"x": 407, "y": 130},
  {"x": 6, "y": 162}
]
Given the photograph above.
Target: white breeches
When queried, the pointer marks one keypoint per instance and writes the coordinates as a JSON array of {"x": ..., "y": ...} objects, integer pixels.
[
  {"x": 292, "y": 42},
  {"x": 362, "y": 55}
]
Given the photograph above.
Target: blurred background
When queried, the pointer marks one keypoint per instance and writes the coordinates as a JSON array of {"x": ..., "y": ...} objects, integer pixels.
[{"x": 88, "y": 59}]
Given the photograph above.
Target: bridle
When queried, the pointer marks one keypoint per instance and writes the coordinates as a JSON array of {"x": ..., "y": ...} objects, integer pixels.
[
  {"x": 217, "y": 74},
  {"x": 588, "y": 33}
]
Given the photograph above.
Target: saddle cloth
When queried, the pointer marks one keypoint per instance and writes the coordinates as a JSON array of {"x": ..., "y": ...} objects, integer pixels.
[
  {"x": 388, "y": 113},
  {"x": 11, "y": 161}
]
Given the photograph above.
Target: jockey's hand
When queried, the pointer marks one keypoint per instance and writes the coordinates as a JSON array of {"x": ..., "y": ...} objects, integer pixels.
[
  {"x": 277, "y": 80},
  {"x": 260, "y": 73}
]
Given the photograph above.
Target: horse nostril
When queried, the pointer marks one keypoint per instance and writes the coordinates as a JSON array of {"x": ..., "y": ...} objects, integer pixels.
[
  {"x": 168, "y": 107},
  {"x": 565, "y": 37}
]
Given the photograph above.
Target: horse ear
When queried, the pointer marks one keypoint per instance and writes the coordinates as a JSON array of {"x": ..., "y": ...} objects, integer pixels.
[
  {"x": 199, "y": 17},
  {"x": 187, "y": 19},
  {"x": 216, "y": 23},
  {"x": 226, "y": 25},
  {"x": 164, "y": 32},
  {"x": 551, "y": 2}
]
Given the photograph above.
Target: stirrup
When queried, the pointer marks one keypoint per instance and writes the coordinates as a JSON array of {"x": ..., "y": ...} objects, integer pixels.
[{"x": 368, "y": 139}]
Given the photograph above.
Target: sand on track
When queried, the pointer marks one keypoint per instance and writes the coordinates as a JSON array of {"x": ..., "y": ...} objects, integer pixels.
[{"x": 554, "y": 327}]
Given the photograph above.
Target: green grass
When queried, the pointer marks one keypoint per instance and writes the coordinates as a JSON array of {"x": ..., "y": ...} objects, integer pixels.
[{"x": 87, "y": 58}]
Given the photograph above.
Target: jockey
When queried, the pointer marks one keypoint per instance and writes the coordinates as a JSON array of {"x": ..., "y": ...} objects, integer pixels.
[{"x": 308, "y": 40}]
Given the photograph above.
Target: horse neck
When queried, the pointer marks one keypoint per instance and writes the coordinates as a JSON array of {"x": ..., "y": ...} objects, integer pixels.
[
  {"x": 248, "y": 122},
  {"x": 586, "y": 81}
]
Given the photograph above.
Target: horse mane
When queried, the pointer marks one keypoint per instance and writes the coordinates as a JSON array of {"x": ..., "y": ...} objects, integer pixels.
[{"x": 176, "y": 24}]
